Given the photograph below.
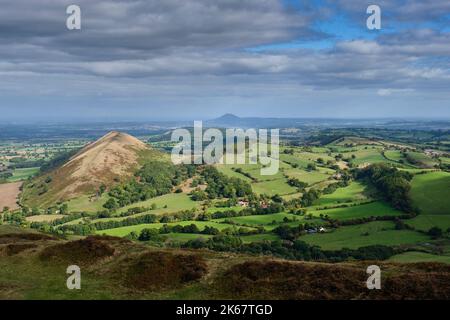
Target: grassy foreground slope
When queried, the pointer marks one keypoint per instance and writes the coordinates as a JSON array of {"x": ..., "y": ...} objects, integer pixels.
[{"x": 33, "y": 266}]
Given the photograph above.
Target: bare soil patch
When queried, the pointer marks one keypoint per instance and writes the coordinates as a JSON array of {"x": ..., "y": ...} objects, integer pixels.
[{"x": 9, "y": 193}]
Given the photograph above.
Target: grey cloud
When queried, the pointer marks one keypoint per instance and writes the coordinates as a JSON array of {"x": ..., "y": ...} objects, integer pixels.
[{"x": 196, "y": 49}]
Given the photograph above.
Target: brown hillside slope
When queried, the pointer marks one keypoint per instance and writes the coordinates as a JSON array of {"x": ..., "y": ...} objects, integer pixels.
[{"x": 112, "y": 158}]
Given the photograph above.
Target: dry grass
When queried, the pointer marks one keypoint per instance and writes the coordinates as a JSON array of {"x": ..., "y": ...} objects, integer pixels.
[
  {"x": 13, "y": 249},
  {"x": 83, "y": 252},
  {"x": 20, "y": 237},
  {"x": 155, "y": 270},
  {"x": 45, "y": 218},
  {"x": 311, "y": 281}
]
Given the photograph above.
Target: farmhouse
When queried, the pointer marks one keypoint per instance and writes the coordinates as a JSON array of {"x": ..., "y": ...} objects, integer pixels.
[{"x": 243, "y": 203}]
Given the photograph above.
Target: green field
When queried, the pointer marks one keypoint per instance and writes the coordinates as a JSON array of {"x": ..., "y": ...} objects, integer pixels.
[
  {"x": 352, "y": 193},
  {"x": 353, "y": 237},
  {"x": 430, "y": 192},
  {"x": 369, "y": 155},
  {"x": 185, "y": 237},
  {"x": 445, "y": 160},
  {"x": 214, "y": 209},
  {"x": 310, "y": 177},
  {"x": 171, "y": 202},
  {"x": 259, "y": 238},
  {"x": 87, "y": 204},
  {"x": 273, "y": 187},
  {"x": 261, "y": 219},
  {"x": 422, "y": 159},
  {"x": 394, "y": 155},
  {"x": 228, "y": 170},
  {"x": 414, "y": 257},
  {"x": 425, "y": 222},
  {"x": 295, "y": 160},
  {"x": 373, "y": 209},
  {"x": 23, "y": 174}
]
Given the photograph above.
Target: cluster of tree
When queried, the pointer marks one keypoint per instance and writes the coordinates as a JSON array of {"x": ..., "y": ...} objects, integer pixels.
[
  {"x": 392, "y": 183},
  {"x": 309, "y": 197},
  {"x": 27, "y": 164},
  {"x": 331, "y": 188},
  {"x": 146, "y": 218},
  {"x": 82, "y": 229},
  {"x": 155, "y": 178},
  {"x": 294, "y": 182},
  {"x": 352, "y": 222},
  {"x": 226, "y": 203},
  {"x": 198, "y": 195},
  {"x": 57, "y": 161},
  {"x": 54, "y": 223},
  {"x": 15, "y": 218},
  {"x": 149, "y": 234},
  {"x": 222, "y": 186},
  {"x": 248, "y": 175},
  {"x": 5, "y": 175},
  {"x": 191, "y": 228},
  {"x": 136, "y": 210}
]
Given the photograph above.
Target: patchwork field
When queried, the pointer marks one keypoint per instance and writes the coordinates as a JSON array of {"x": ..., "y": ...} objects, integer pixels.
[{"x": 318, "y": 165}]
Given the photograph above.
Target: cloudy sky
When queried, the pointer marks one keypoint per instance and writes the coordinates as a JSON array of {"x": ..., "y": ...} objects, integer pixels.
[{"x": 197, "y": 59}]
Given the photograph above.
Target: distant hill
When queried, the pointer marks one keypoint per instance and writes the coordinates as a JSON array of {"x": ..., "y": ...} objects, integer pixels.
[{"x": 113, "y": 158}]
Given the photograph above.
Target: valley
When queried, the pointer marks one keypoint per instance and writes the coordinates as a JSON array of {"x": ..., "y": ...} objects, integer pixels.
[{"x": 340, "y": 196}]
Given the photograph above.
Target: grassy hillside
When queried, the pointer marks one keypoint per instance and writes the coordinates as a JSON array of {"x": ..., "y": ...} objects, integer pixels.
[
  {"x": 34, "y": 267},
  {"x": 430, "y": 193},
  {"x": 112, "y": 159}
]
